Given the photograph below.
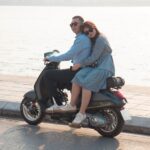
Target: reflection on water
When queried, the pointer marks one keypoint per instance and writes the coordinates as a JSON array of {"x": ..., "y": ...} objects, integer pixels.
[{"x": 26, "y": 32}]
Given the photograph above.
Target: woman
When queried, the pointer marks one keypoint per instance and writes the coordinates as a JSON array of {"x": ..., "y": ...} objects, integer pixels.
[{"x": 93, "y": 74}]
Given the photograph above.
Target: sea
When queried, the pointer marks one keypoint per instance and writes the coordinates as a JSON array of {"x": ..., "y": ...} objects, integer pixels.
[{"x": 27, "y": 32}]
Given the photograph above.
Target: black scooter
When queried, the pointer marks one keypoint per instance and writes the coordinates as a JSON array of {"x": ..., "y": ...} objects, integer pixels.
[{"x": 105, "y": 113}]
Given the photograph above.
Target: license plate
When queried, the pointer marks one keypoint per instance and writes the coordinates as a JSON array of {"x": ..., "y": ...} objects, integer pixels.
[{"x": 126, "y": 116}]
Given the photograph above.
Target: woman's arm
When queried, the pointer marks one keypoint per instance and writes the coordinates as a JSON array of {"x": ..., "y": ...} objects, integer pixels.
[{"x": 96, "y": 52}]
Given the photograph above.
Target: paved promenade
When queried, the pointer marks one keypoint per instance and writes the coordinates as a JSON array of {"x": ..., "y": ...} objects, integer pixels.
[{"x": 12, "y": 89}]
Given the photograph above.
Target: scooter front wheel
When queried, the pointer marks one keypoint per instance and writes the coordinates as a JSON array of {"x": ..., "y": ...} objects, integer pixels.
[{"x": 31, "y": 111}]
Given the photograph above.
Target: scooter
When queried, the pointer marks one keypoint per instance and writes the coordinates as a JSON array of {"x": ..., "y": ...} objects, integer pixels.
[{"x": 106, "y": 112}]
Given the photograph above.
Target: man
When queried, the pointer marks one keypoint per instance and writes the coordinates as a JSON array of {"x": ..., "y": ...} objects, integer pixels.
[{"x": 79, "y": 50}]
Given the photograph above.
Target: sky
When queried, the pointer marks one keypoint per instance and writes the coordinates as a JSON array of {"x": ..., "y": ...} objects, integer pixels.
[{"x": 77, "y": 2}]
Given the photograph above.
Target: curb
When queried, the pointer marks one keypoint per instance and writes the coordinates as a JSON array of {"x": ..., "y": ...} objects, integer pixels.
[
  {"x": 10, "y": 109},
  {"x": 139, "y": 125}
]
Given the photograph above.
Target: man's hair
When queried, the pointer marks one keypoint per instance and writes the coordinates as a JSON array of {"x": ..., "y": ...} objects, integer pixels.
[{"x": 80, "y": 18}]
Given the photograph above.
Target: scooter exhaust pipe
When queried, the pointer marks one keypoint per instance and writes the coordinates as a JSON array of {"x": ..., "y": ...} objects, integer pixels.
[{"x": 97, "y": 120}]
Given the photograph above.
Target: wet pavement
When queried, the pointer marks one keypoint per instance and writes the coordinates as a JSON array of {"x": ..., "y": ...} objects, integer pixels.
[{"x": 17, "y": 135}]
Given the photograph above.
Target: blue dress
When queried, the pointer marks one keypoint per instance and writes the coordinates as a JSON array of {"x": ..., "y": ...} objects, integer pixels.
[{"x": 91, "y": 78}]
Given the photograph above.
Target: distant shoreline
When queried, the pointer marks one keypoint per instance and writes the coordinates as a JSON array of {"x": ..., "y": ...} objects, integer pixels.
[{"x": 82, "y": 3}]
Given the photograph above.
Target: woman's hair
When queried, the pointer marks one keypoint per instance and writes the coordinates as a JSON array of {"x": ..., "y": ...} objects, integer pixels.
[{"x": 91, "y": 25}]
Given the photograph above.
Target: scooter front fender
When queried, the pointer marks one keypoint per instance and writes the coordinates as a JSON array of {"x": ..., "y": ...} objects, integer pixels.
[{"x": 30, "y": 95}]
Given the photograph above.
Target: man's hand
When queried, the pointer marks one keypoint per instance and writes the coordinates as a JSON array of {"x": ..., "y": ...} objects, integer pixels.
[
  {"x": 76, "y": 67},
  {"x": 45, "y": 60}
]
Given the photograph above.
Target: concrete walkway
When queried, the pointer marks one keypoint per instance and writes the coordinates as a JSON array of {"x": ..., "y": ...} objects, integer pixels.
[{"x": 12, "y": 89}]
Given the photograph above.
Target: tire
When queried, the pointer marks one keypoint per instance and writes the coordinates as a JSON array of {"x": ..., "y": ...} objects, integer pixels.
[
  {"x": 116, "y": 122},
  {"x": 31, "y": 111}
]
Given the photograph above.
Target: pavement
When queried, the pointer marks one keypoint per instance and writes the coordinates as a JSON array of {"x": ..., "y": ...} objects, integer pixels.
[{"x": 12, "y": 89}]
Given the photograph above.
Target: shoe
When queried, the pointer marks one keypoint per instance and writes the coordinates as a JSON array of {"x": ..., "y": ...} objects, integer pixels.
[
  {"x": 76, "y": 123},
  {"x": 52, "y": 108},
  {"x": 67, "y": 108},
  {"x": 64, "y": 108}
]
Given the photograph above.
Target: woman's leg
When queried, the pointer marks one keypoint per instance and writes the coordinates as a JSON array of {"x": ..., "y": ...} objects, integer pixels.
[
  {"x": 86, "y": 96},
  {"x": 75, "y": 94}
]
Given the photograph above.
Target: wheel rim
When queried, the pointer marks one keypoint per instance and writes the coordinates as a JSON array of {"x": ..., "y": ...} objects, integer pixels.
[
  {"x": 112, "y": 119},
  {"x": 31, "y": 110}
]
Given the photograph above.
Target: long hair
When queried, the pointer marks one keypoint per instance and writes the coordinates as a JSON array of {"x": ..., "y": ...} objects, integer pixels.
[{"x": 91, "y": 25}]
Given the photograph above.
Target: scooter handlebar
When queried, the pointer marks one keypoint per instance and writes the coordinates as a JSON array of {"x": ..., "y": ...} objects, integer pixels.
[{"x": 46, "y": 61}]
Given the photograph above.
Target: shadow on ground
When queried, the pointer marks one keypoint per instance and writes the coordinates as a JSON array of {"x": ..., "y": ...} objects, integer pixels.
[{"x": 54, "y": 137}]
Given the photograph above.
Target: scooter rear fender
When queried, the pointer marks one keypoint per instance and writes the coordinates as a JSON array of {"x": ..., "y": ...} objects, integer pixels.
[{"x": 106, "y": 98}]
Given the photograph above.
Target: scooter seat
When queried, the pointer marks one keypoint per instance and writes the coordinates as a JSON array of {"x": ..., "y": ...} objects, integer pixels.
[{"x": 115, "y": 82}]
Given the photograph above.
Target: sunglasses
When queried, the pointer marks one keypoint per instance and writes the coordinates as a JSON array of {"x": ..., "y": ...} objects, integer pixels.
[
  {"x": 73, "y": 24},
  {"x": 87, "y": 32}
]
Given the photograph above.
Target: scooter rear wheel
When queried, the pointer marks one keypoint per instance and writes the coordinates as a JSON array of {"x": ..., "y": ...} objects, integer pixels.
[
  {"x": 31, "y": 111},
  {"x": 115, "y": 123}
]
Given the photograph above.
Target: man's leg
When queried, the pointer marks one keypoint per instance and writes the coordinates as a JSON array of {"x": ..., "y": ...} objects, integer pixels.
[
  {"x": 52, "y": 77},
  {"x": 74, "y": 97}
]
